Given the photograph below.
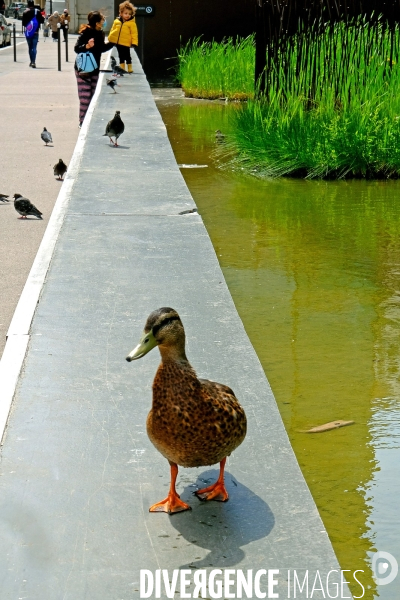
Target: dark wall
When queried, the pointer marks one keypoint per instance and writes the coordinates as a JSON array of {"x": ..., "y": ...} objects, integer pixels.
[{"x": 177, "y": 20}]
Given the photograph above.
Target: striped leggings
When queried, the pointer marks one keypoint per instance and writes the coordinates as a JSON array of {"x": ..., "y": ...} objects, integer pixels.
[{"x": 86, "y": 89}]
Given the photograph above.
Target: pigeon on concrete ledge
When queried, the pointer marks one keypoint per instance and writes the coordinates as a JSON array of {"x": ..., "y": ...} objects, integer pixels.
[
  {"x": 116, "y": 68},
  {"x": 112, "y": 83},
  {"x": 24, "y": 207},
  {"x": 3, "y": 198},
  {"x": 115, "y": 128},
  {"x": 118, "y": 71}
]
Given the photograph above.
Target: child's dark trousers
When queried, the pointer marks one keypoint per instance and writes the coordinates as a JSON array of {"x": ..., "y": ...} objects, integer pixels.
[{"x": 124, "y": 53}]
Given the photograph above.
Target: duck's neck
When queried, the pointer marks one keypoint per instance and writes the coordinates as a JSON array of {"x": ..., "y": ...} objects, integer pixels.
[{"x": 174, "y": 353}]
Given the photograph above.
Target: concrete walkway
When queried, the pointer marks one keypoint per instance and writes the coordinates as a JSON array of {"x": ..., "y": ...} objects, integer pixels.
[
  {"x": 78, "y": 471},
  {"x": 31, "y": 99}
]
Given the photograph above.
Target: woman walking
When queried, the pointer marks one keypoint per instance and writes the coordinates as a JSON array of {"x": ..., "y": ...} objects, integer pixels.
[
  {"x": 91, "y": 40},
  {"x": 65, "y": 20},
  {"x": 53, "y": 21}
]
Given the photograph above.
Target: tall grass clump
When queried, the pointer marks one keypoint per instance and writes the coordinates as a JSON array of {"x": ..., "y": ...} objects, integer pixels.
[
  {"x": 331, "y": 106},
  {"x": 218, "y": 70}
]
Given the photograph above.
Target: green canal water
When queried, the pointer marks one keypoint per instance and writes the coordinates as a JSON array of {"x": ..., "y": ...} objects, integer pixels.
[{"x": 314, "y": 270}]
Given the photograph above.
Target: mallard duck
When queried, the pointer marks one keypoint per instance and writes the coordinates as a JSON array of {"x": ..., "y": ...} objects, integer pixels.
[{"x": 193, "y": 422}]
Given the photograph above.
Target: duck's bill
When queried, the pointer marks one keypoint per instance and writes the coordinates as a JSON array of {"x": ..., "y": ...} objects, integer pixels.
[{"x": 147, "y": 343}]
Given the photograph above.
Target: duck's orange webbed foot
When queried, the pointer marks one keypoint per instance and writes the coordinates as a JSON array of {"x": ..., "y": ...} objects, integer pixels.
[
  {"x": 171, "y": 504},
  {"x": 217, "y": 491}
]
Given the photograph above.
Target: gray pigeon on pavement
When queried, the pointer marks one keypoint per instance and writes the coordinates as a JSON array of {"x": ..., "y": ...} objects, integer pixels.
[
  {"x": 46, "y": 136},
  {"x": 117, "y": 69},
  {"x": 24, "y": 207},
  {"x": 112, "y": 83},
  {"x": 60, "y": 169},
  {"x": 3, "y": 198},
  {"x": 115, "y": 128}
]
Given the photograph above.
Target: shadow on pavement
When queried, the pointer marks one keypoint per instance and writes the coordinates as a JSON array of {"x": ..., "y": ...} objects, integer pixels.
[{"x": 223, "y": 528}]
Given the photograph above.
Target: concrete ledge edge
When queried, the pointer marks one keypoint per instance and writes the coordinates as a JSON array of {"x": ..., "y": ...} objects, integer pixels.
[{"x": 10, "y": 368}]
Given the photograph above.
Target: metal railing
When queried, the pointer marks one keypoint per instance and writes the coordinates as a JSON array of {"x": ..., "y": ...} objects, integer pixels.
[
  {"x": 14, "y": 43},
  {"x": 59, "y": 45}
]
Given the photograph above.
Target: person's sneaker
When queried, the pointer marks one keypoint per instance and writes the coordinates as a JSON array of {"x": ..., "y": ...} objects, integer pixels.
[{"x": 33, "y": 65}]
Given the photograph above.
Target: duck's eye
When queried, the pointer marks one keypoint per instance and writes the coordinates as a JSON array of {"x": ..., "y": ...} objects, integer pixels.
[{"x": 146, "y": 340}]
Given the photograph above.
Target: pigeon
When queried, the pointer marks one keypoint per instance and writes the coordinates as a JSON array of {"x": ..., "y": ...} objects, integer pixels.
[
  {"x": 24, "y": 207},
  {"x": 219, "y": 137},
  {"x": 112, "y": 83},
  {"x": 115, "y": 127},
  {"x": 116, "y": 69},
  {"x": 3, "y": 198},
  {"x": 60, "y": 169},
  {"x": 46, "y": 136}
]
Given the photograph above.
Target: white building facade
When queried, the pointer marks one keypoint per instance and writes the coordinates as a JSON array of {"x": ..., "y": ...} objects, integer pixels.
[{"x": 79, "y": 10}]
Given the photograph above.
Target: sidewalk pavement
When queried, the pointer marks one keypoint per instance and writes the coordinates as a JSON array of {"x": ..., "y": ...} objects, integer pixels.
[
  {"x": 78, "y": 470},
  {"x": 31, "y": 99}
]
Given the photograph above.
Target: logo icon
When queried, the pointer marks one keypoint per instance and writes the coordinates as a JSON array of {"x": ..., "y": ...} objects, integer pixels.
[
  {"x": 149, "y": 9},
  {"x": 384, "y": 567}
]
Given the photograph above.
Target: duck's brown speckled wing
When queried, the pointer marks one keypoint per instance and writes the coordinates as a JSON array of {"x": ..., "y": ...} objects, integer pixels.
[
  {"x": 227, "y": 416},
  {"x": 212, "y": 386}
]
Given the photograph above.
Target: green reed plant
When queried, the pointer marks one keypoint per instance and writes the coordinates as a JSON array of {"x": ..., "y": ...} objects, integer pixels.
[
  {"x": 331, "y": 107},
  {"x": 217, "y": 70}
]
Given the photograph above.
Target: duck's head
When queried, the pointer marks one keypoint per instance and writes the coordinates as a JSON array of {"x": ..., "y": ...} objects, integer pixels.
[{"x": 163, "y": 329}]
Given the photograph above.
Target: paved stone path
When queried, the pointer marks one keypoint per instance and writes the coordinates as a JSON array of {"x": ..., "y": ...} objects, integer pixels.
[{"x": 31, "y": 99}]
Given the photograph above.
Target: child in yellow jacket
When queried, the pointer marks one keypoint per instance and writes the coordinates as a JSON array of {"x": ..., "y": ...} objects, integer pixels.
[{"x": 124, "y": 34}]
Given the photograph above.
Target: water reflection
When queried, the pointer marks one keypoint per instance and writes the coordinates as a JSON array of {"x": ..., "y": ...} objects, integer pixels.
[{"x": 313, "y": 268}]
